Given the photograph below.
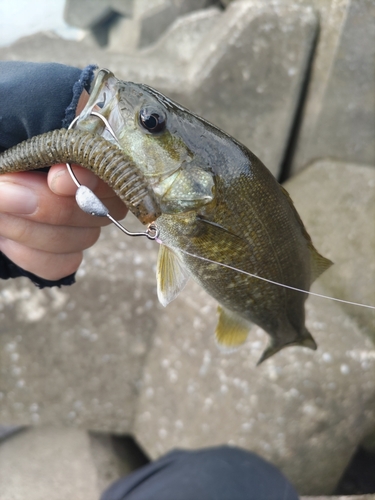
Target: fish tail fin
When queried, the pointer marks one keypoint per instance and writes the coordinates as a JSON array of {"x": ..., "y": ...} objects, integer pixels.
[
  {"x": 304, "y": 339},
  {"x": 231, "y": 330}
]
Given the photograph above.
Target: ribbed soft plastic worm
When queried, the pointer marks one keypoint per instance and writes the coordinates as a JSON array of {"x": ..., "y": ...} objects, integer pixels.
[{"x": 93, "y": 152}]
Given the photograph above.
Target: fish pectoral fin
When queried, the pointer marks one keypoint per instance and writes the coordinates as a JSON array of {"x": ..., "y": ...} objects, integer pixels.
[
  {"x": 231, "y": 330},
  {"x": 171, "y": 275},
  {"x": 304, "y": 340}
]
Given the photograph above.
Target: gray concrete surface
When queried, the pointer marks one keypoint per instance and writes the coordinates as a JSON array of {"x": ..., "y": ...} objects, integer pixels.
[
  {"x": 139, "y": 23},
  {"x": 148, "y": 22},
  {"x": 75, "y": 355},
  {"x": 87, "y": 14},
  {"x": 339, "y": 113},
  {"x": 57, "y": 464},
  {"x": 305, "y": 412}
]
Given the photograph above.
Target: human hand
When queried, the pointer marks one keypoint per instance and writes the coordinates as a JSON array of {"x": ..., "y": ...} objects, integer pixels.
[{"x": 42, "y": 229}]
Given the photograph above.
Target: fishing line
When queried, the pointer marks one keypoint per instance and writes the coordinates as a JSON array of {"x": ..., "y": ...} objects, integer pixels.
[
  {"x": 276, "y": 283},
  {"x": 89, "y": 203}
]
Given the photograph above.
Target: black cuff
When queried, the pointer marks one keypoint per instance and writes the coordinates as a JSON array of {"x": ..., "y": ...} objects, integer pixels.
[
  {"x": 83, "y": 83},
  {"x": 10, "y": 270},
  {"x": 38, "y": 97}
]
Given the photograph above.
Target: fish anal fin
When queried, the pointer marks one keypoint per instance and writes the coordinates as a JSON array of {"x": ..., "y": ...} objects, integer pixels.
[
  {"x": 231, "y": 330},
  {"x": 171, "y": 275},
  {"x": 304, "y": 340}
]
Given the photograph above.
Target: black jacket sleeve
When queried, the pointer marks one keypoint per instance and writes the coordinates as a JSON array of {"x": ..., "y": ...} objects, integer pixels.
[{"x": 36, "y": 98}]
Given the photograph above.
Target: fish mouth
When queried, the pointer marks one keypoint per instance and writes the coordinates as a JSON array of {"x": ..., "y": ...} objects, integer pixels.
[{"x": 104, "y": 100}]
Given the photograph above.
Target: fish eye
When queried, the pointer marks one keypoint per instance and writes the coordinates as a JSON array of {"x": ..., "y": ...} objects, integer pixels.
[{"x": 152, "y": 120}]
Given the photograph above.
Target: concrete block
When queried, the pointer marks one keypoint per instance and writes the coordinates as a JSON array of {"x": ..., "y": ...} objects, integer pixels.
[
  {"x": 123, "y": 7},
  {"x": 87, "y": 14},
  {"x": 183, "y": 40},
  {"x": 112, "y": 458},
  {"x": 141, "y": 22},
  {"x": 338, "y": 118},
  {"x": 57, "y": 464},
  {"x": 304, "y": 411},
  {"x": 252, "y": 90},
  {"x": 75, "y": 355},
  {"x": 339, "y": 114},
  {"x": 149, "y": 21},
  {"x": 244, "y": 74}
]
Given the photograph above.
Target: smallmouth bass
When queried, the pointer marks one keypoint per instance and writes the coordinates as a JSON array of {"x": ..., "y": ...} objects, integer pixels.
[{"x": 219, "y": 202}]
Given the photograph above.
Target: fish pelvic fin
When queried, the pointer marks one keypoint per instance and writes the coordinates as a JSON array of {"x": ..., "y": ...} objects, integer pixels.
[
  {"x": 171, "y": 275},
  {"x": 231, "y": 331},
  {"x": 304, "y": 340}
]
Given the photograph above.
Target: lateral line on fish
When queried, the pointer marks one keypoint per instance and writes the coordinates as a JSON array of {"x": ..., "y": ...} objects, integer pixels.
[{"x": 276, "y": 283}]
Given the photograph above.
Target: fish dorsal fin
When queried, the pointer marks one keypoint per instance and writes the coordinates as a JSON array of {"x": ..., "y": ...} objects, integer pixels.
[
  {"x": 171, "y": 275},
  {"x": 231, "y": 330},
  {"x": 319, "y": 264}
]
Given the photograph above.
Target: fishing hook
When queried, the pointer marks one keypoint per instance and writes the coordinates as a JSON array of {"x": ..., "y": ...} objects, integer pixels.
[{"x": 92, "y": 205}]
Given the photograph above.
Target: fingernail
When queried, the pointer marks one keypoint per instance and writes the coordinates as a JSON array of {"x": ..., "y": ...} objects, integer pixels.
[
  {"x": 61, "y": 182},
  {"x": 17, "y": 199},
  {"x": 56, "y": 178}
]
